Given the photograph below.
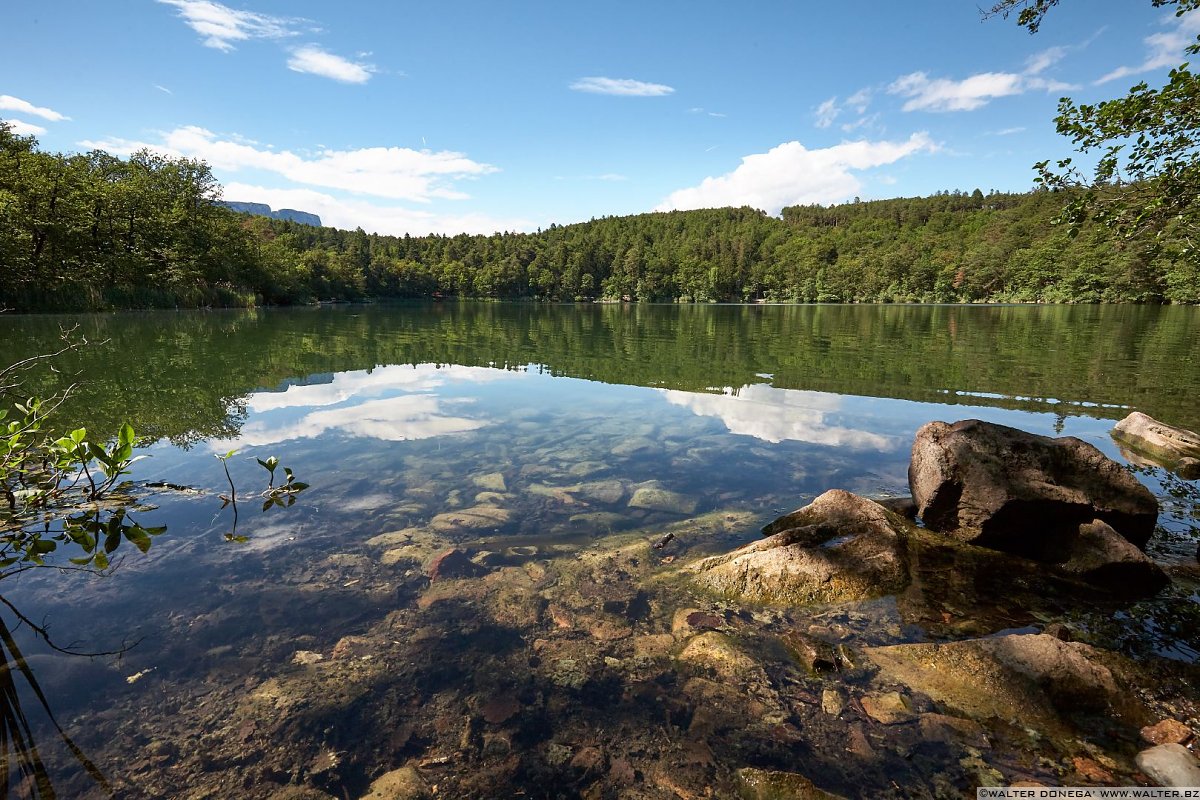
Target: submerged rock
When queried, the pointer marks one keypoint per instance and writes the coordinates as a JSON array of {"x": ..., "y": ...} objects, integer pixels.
[
  {"x": 761, "y": 784},
  {"x": 478, "y": 518},
  {"x": 1025, "y": 675},
  {"x": 492, "y": 481},
  {"x": 399, "y": 784},
  {"x": 454, "y": 563},
  {"x": 1170, "y": 765},
  {"x": 840, "y": 547},
  {"x": 1168, "y": 731},
  {"x": 653, "y": 497},
  {"x": 1174, "y": 448},
  {"x": 1009, "y": 490}
]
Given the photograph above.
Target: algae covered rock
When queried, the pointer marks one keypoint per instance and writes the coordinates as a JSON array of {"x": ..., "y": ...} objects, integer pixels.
[
  {"x": 399, "y": 784},
  {"x": 839, "y": 548},
  {"x": 653, "y": 496},
  {"x": 1009, "y": 490},
  {"x": 1018, "y": 677},
  {"x": 761, "y": 784}
]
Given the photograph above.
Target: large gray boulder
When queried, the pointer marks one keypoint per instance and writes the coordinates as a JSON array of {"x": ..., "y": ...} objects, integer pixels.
[
  {"x": 1009, "y": 490},
  {"x": 1174, "y": 448},
  {"x": 841, "y": 547}
]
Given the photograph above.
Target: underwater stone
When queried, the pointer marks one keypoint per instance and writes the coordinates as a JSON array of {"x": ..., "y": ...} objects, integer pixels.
[
  {"x": 889, "y": 708},
  {"x": 1169, "y": 731},
  {"x": 761, "y": 784},
  {"x": 399, "y": 784},
  {"x": 492, "y": 481},
  {"x": 653, "y": 497},
  {"x": 454, "y": 563},
  {"x": 478, "y": 517}
]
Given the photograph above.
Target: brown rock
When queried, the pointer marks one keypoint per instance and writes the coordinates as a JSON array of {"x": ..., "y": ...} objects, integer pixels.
[
  {"x": 841, "y": 547},
  {"x": 1167, "y": 446},
  {"x": 1091, "y": 771},
  {"x": 1014, "y": 491},
  {"x": 1102, "y": 557},
  {"x": 453, "y": 563},
  {"x": 399, "y": 784},
  {"x": 813, "y": 654},
  {"x": 944, "y": 728},
  {"x": 904, "y": 506},
  {"x": 889, "y": 708},
  {"x": 1169, "y": 731},
  {"x": 500, "y": 709},
  {"x": 761, "y": 784}
]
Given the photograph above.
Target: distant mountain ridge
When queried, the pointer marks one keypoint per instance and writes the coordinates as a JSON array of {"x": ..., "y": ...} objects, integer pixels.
[{"x": 264, "y": 210}]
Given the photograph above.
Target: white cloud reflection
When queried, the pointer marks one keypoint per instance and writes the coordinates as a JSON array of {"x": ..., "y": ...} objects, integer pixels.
[
  {"x": 776, "y": 415},
  {"x": 394, "y": 404}
]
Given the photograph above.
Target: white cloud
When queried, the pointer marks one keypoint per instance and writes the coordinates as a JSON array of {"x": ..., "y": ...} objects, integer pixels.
[
  {"x": 397, "y": 173},
  {"x": 827, "y": 112},
  {"x": 372, "y": 217},
  {"x": 776, "y": 415},
  {"x": 859, "y": 100},
  {"x": 1163, "y": 49},
  {"x": 791, "y": 174},
  {"x": 313, "y": 60},
  {"x": 220, "y": 26},
  {"x": 10, "y": 103},
  {"x": 624, "y": 87},
  {"x": 1040, "y": 62},
  {"x": 163, "y": 89},
  {"x": 22, "y": 128},
  {"x": 1008, "y": 131},
  {"x": 942, "y": 94}
]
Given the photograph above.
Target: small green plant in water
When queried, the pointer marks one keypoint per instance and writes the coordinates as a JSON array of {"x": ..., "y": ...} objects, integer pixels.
[{"x": 283, "y": 495}]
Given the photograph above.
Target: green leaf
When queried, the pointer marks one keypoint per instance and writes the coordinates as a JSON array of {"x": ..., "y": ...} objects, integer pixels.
[
  {"x": 101, "y": 561},
  {"x": 112, "y": 540},
  {"x": 139, "y": 537},
  {"x": 82, "y": 561},
  {"x": 41, "y": 546},
  {"x": 126, "y": 436}
]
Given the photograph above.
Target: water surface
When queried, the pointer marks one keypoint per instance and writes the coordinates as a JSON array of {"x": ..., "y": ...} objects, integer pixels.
[{"x": 548, "y": 418}]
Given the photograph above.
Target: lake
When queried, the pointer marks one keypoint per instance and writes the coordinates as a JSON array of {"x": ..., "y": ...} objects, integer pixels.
[{"x": 304, "y": 645}]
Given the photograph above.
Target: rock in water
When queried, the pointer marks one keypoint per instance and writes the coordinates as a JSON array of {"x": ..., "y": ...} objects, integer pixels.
[
  {"x": 1102, "y": 557},
  {"x": 1009, "y": 490},
  {"x": 841, "y": 547},
  {"x": 1170, "y": 765},
  {"x": 1173, "y": 448},
  {"x": 761, "y": 784},
  {"x": 1025, "y": 675}
]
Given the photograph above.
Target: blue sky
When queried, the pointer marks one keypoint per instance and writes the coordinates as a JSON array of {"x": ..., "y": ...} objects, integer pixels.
[{"x": 483, "y": 116}]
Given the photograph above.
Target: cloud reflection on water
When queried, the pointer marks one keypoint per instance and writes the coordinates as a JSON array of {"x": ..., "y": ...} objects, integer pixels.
[
  {"x": 776, "y": 415},
  {"x": 394, "y": 403}
]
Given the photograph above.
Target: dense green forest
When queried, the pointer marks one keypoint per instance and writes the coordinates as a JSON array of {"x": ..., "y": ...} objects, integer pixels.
[{"x": 93, "y": 231}]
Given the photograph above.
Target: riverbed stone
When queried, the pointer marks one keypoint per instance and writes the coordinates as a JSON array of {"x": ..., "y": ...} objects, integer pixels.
[
  {"x": 399, "y": 784},
  {"x": 888, "y": 708},
  {"x": 475, "y": 518},
  {"x": 839, "y": 548},
  {"x": 1165, "y": 445},
  {"x": 1025, "y": 675},
  {"x": 1168, "y": 731},
  {"x": 718, "y": 652},
  {"x": 761, "y": 784},
  {"x": 1009, "y": 490},
  {"x": 491, "y": 481},
  {"x": 453, "y": 563},
  {"x": 653, "y": 496},
  {"x": 1170, "y": 765}
]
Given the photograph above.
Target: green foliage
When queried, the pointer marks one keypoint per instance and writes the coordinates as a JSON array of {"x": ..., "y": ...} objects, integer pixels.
[
  {"x": 95, "y": 232},
  {"x": 1145, "y": 184},
  {"x": 53, "y": 486}
]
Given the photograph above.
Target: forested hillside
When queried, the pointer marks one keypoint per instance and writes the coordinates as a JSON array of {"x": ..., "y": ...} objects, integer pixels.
[{"x": 95, "y": 231}]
